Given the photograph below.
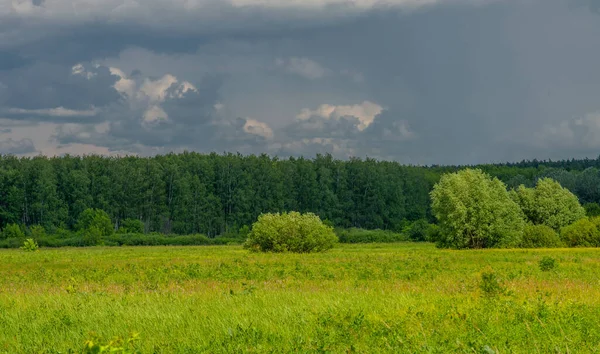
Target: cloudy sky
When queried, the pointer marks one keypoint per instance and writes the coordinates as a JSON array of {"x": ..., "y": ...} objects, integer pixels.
[{"x": 416, "y": 81}]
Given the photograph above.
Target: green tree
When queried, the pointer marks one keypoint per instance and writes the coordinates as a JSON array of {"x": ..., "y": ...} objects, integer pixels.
[
  {"x": 475, "y": 211},
  {"x": 549, "y": 204},
  {"x": 95, "y": 219}
]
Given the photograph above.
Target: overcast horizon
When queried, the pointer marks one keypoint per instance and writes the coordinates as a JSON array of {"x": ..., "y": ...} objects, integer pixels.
[{"x": 414, "y": 81}]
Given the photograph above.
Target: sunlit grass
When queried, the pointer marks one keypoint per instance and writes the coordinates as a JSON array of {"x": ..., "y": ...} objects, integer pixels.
[{"x": 364, "y": 298}]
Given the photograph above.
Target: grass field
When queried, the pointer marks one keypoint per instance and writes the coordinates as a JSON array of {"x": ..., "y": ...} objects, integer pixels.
[{"x": 355, "y": 298}]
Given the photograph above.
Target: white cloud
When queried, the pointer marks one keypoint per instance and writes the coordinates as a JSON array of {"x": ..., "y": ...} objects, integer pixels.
[
  {"x": 258, "y": 128},
  {"x": 365, "y": 112},
  {"x": 55, "y": 112},
  {"x": 124, "y": 85},
  {"x": 155, "y": 114}
]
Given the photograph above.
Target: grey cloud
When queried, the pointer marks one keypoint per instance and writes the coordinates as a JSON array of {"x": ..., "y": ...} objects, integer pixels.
[
  {"x": 43, "y": 86},
  {"x": 191, "y": 122},
  {"x": 16, "y": 147}
]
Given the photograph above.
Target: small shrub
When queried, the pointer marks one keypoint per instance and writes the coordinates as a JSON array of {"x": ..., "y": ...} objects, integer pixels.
[
  {"x": 13, "y": 231},
  {"x": 117, "y": 345},
  {"x": 418, "y": 231},
  {"x": 547, "y": 263},
  {"x": 131, "y": 226},
  {"x": 490, "y": 284},
  {"x": 290, "y": 232},
  {"x": 582, "y": 233},
  {"x": 540, "y": 236},
  {"x": 29, "y": 245}
]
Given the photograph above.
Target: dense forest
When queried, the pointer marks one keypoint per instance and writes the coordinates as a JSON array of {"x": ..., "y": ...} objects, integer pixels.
[{"x": 213, "y": 194}]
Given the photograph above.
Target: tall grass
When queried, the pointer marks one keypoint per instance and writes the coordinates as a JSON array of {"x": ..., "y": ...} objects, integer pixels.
[{"x": 391, "y": 298}]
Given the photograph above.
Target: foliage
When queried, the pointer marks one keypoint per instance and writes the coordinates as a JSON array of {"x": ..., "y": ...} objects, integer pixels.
[
  {"x": 290, "y": 232},
  {"x": 434, "y": 234},
  {"x": 37, "y": 231},
  {"x": 582, "y": 233},
  {"x": 131, "y": 226},
  {"x": 92, "y": 236},
  {"x": 540, "y": 236},
  {"x": 211, "y": 194},
  {"x": 93, "y": 222},
  {"x": 490, "y": 284},
  {"x": 549, "y": 204},
  {"x": 354, "y": 235},
  {"x": 29, "y": 245},
  {"x": 547, "y": 263},
  {"x": 418, "y": 231},
  {"x": 475, "y": 211},
  {"x": 96, "y": 345},
  {"x": 592, "y": 209},
  {"x": 13, "y": 231},
  {"x": 154, "y": 239},
  {"x": 243, "y": 232}
]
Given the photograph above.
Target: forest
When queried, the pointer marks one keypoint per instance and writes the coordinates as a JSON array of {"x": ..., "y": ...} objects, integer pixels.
[{"x": 215, "y": 194}]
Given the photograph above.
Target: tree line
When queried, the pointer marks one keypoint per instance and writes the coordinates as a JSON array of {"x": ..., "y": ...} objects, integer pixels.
[{"x": 214, "y": 194}]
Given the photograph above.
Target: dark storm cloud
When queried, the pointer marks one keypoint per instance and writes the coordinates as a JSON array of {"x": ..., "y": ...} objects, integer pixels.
[
  {"x": 461, "y": 81},
  {"x": 44, "y": 86}
]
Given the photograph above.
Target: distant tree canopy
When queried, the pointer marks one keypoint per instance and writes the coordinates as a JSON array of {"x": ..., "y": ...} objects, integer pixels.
[
  {"x": 474, "y": 210},
  {"x": 213, "y": 194}
]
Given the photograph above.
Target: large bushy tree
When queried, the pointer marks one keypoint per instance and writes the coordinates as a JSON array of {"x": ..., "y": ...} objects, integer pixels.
[
  {"x": 549, "y": 204},
  {"x": 474, "y": 210}
]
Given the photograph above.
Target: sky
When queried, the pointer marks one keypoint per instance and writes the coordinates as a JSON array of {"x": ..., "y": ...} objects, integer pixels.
[{"x": 414, "y": 81}]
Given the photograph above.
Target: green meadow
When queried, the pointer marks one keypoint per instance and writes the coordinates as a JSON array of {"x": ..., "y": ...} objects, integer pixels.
[{"x": 369, "y": 298}]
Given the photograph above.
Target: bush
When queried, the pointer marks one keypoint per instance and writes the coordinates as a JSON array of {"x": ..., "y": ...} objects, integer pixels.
[
  {"x": 490, "y": 284},
  {"x": 418, "y": 231},
  {"x": 290, "y": 232},
  {"x": 582, "y": 233},
  {"x": 434, "y": 233},
  {"x": 540, "y": 236},
  {"x": 29, "y": 245},
  {"x": 13, "y": 231},
  {"x": 355, "y": 235},
  {"x": 131, "y": 226},
  {"x": 37, "y": 232},
  {"x": 92, "y": 236},
  {"x": 547, "y": 263},
  {"x": 97, "y": 219}
]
